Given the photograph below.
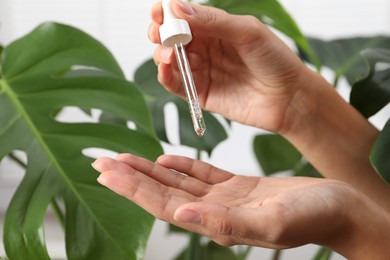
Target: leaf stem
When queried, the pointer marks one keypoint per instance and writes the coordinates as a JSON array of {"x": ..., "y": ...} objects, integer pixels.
[
  {"x": 242, "y": 255},
  {"x": 198, "y": 154},
  {"x": 194, "y": 247},
  {"x": 277, "y": 254},
  {"x": 323, "y": 254},
  {"x": 336, "y": 81}
]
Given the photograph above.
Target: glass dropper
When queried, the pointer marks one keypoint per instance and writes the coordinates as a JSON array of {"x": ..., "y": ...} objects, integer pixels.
[
  {"x": 176, "y": 33},
  {"x": 190, "y": 89}
]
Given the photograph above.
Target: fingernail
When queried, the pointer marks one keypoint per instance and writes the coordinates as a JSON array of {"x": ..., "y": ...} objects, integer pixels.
[
  {"x": 95, "y": 166},
  {"x": 166, "y": 54},
  {"x": 185, "y": 7},
  {"x": 188, "y": 216},
  {"x": 101, "y": 180}
]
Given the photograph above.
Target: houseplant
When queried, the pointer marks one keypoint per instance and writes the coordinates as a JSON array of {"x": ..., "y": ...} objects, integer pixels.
[
  {"x": 53, "y": 67},
  {"x": 58, "y": 66}
]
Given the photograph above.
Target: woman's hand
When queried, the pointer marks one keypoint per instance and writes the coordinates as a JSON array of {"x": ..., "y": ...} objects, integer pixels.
[
  {"x": 246, "y": 73},
  {"x": 242, "y": 70},
  {"x": 266, "y": 212}
]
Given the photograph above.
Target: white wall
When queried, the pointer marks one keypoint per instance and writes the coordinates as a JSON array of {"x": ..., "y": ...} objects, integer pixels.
[{"x": 122, "y": 26}]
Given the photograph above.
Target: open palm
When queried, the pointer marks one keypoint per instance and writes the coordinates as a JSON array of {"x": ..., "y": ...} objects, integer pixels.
[{"x": 230, "y": 209}]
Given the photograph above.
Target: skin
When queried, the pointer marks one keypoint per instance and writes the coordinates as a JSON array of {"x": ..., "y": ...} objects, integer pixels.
[
  {"x": 267, "y": 212},
  {"x": 231, "y": 64},
  {"x": 250, "y": 67},
  {"x": 271, "y": 89}
]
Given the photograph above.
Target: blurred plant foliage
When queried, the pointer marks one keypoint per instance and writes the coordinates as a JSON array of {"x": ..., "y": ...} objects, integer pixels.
[
  {"x": 57, "y": 66},
  {"x": 53, "y": 67}
]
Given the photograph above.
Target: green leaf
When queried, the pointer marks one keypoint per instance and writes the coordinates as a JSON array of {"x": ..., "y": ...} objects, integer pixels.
[
  {"x": 146, "y": 77},
  {"x": 372, "y": 93},
  {"x": 323, "y": 254},
  {"x": 1, "y": 50},
  {"x": 272, "y": 13},
  {"x": 275, "y": 154},
  {"x": 158, "y": 97},
  {"x": 211, "y": 251},
  {"x": 48, "y": 57},
  {"x": 217, "y": 252},
  {"x": 380, "y": 153},
  {"x": 57, "y": 66},
  {"x": 176, "y": 229},
  {"x": 343, "y": 55},
  {"x": 305, "y": 169}
]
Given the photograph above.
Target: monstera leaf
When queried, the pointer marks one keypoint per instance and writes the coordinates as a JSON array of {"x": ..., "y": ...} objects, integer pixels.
[
  {"x": 272, "y": 13},
  {"x": 381, "y": 152},
  {"x": 343, "y": 55},
  {"x": 275, "y": 154},
  {"x": 158, "y": 97},
  {"x": 211, "y": 250},
  {"x": 372, "y": 93},
  {"x": 53, "y": 67}
]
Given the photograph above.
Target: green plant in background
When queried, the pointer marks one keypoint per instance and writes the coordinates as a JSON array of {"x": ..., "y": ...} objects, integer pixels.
[
  {"x": 57, "y": 66},
  {"x": 53, "y": 67}
]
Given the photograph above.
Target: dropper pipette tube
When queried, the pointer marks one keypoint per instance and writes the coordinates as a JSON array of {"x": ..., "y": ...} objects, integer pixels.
[
  {"x": 175, "y": 33},
  {"x": 190, "y": 89}
]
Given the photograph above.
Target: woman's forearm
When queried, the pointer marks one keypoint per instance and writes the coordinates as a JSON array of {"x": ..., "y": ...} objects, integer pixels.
[{"x": 334, "y": 137}]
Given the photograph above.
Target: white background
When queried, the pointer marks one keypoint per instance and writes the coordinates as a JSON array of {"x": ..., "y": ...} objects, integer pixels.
[{"x": 122, "y": 26}]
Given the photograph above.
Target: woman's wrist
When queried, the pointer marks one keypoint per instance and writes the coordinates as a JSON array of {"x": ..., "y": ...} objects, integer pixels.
[
  {"x": 318, "y": 106},
  {"x": 366, "y": 233},
  {"x": 334, "y": 137}
]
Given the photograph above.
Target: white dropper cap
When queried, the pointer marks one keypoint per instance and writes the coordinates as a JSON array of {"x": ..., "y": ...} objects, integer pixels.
[{"x": 173, "y": 30}]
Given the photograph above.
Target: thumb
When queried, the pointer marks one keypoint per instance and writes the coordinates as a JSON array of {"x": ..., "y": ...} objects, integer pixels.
[
  {"x": 215, "y": 220},
  {"x": 216, "y": 23}
]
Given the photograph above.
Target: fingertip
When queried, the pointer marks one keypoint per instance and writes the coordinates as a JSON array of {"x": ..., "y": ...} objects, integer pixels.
[
  {"x": 157, "y": 13},
  {"x": 95, "y": 165},
  {"x": 161, "y": 159},
  {"x": 128, "y": 159},
  {"x": 166, "y": 55},
  {"x": 165, "y": 74},
  {"x": 183, "y": 7},
  {"x": 102, "y": 179},
  {"x": 101, "y": 163},
  {"x": 170, "y": 79},
  {"x": 117, "y": 180},
  {"x": 154, "y": 33},
  {"x": 164, "y": 159},
  {"x": 170, "y": 160},
  {"x": 163, "y": 55},
  {"x": 123, "y": 156}
]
